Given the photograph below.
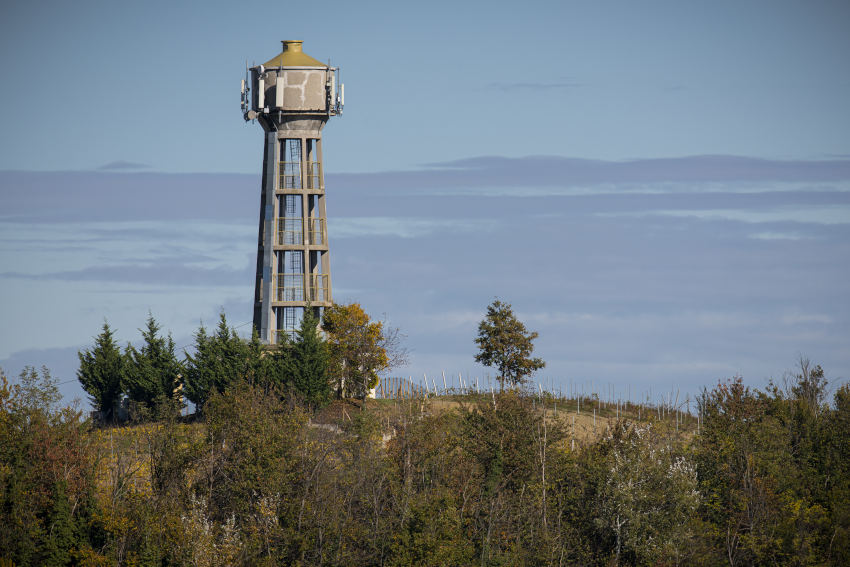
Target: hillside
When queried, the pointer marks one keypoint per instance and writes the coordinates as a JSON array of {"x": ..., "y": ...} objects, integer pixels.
[{"x": 504, "y": 479}]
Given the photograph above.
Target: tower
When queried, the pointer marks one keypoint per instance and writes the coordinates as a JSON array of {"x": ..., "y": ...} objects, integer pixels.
[{"x": 292, "y": 96}]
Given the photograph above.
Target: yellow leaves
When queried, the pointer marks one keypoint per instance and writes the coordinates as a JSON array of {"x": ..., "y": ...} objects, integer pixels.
[
  {"x": 356, "y": 345},
  {"x": 88, "y": 557}
]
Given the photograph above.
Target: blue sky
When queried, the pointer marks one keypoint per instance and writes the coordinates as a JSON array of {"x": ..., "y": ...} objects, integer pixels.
[{"x": 674, "y": 176}]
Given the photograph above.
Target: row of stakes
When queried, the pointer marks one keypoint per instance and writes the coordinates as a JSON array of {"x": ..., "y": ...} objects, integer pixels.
[{"x": 406, "y": 388}]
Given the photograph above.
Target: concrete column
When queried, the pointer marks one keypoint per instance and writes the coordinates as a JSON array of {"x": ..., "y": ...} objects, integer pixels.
[{"x": 270, "y": 182}]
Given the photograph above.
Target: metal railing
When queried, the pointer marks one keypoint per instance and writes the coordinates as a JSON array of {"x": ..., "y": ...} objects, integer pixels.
[
  {"x": 290, "y": 230},
  {"x": 291, "y": 287},
  {"x": 320, "y": 288},
  {"x": 317, "y": 231},
  {"x": 291, "y": 178},
  {"x": 313, "y": 179},
  {"x": 290, "y": 174},
  {"x": 288, "y": 287}
]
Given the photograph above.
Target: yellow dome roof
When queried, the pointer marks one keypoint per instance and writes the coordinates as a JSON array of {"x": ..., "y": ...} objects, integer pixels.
[{"x": 292, "y": 56}]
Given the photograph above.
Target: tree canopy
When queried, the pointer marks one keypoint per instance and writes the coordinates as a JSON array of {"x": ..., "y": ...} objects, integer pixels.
[
  {"x": 308, "y": 362},
  {"x": 358, "y": 349},
  {"x": 101, "y": 373},
  {"x": 218, "y": 361},
  {"x": 153, "y": 371},
  {"x": 764, "y": 480},
  {"x": 504, "y": 343}
]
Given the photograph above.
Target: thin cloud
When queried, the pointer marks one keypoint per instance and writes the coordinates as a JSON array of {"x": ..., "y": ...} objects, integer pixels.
[
  {"x": 825, "y": 215},
  {"x": 532, "y": 86},
  {"x": 159, "y": 274},
  {"x": 778, "y": 236},
  {"x": 353, "y": 227},
  {"x": 123, "y": 166},
  {"x": 490, "y": 174}
]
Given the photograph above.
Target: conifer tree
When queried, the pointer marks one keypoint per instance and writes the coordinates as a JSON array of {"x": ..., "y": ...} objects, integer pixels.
[
  {"x": 101, "y": 372},
  {"x": 152, "y": 371},
  {"x": 309, "y": 362},
  {"x": 218, "y": 361},
  {"x": 259, "y": 367},
  {"x": 59, "y": 537}
]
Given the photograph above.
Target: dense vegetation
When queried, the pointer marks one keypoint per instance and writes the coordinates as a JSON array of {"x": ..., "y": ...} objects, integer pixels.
[
  {"x": 344, "y": 359},
  {"x": 259, "y": 479}
]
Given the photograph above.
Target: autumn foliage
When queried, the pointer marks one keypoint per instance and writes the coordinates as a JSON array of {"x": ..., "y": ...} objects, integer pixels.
[{"x": 260, "y": 479}]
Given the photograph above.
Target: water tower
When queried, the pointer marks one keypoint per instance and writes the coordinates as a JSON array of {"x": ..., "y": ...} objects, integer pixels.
[{"x": 292, "y": 96}]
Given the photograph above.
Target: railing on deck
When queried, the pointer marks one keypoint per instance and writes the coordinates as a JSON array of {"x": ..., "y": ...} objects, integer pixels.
[
  {"x": 320, "y": 288},
  {"x": 317, "y": 231},
  {"x": 290, "y": 230},
  {"x": 313, "y": 178},
  {"x": 288, "y": 287},
  {"x": 290, "y": 175}
]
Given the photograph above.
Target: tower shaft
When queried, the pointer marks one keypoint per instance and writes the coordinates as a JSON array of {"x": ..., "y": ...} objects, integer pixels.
[
  {"x": 293, "y": 263},
  {"x": 292, "y": 96}
]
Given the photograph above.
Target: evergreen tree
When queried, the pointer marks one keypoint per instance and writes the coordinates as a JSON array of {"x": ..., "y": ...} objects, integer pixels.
[
  {"x": 153, "y": 371},
  {"x": 100, "y": 373},
  {"x": 260, "y": 367},
  {"x": 219, "y": 360},
  {"x": 59, "y": 539},
  {"x": 309, "y": 363}
]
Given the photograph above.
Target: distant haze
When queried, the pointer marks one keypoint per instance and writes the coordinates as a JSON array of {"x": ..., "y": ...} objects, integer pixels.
[{"x": 644, "y": 274}]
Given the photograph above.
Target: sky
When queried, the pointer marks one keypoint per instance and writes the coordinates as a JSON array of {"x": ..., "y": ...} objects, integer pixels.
[{"x": 660, "y": 189}]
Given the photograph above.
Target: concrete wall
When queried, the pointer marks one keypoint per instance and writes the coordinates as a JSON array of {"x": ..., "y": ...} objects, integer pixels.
[{"x": 303, "y": 90}]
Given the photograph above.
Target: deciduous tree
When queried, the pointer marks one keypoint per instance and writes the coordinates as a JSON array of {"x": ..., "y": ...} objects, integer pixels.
[
  {"x": 504, "y": 342},
  {"x": 359, "y": 349},
  {"x": 648, "y": 495}
]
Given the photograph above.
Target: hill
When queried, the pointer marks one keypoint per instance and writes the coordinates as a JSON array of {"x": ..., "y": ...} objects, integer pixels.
[{"x": 503, "y": 479}]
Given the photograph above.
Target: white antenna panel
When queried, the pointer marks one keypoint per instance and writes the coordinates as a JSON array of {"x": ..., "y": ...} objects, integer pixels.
[
  {"x": 278, "y": 90},
  {"x": 261, "y": 92}
]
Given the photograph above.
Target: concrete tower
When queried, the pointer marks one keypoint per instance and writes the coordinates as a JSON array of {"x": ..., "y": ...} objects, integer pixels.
[{"x": 291, "y": 96}]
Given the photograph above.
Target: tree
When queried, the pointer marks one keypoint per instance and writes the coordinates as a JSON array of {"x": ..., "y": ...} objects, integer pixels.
[
  {"x": 36, "y": 392},
  {"x": 744, "y": 462},
  {"x": 219, "y": 360},
  {"x": 359, "y": 349},
  {"x": 810, "y": 385},
  {"x": 101, "y": 371},
  {"x": 47, "y": 472},
  {"x": 260, "y": 368},
  {"x": 154, "y": 371},
  {"x": 308, "y": 363},
  {"x": 837, "y": 450},
  {"x": 648, "y": 495},
  {"x": 505, "y": 343}
]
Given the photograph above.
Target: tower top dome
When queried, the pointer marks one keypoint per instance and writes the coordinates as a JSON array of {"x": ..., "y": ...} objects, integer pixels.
[{"x": 293, "y": 56}]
